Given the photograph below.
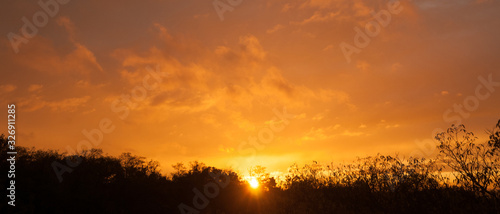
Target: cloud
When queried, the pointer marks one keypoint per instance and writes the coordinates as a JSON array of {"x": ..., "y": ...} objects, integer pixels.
[
  {"x": 328, "y": 47},
  {"x": 226, "y": 77},
  {"x": 317, "y": 134},
  {"x": 7, "y": 88},
  {"x": 275, "y": 28},
  {"x": 68, "y": 25},
  {"x": 318, "y": 17},
  {"x": 361, "y": 9},
  {"x": 35, "y": 87},
  {"x": 328, "y": 133},
  {"x": 319, "y": 3},
  {"x": 251, "y": 45},
  {"x": 362, "y": 65},
  {"x": 286, "y": 7},
  {"x": 65, "y": 105},
  {"x": 352, "y": 134}
]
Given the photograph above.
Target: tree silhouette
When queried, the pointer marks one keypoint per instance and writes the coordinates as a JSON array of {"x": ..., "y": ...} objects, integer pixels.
[
  {"x": 475, "y": 165},
  {"x": 376, "y": 184}
]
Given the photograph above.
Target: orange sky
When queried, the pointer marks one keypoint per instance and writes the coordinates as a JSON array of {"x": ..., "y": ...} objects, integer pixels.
[{"x": 227, "y": 78}]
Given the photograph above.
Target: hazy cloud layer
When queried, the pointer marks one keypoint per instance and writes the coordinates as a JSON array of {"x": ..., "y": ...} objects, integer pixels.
[{"x": 226, "y": 77}]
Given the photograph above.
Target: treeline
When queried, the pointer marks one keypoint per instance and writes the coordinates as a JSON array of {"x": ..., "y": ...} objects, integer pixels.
[{"x": 379, "y": 184}]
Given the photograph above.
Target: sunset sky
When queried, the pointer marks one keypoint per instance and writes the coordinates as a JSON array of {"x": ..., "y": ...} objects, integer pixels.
[{"x": 224, "y": 75}]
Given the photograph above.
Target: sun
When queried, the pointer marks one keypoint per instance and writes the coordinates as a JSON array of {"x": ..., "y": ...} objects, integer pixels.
[{"x": 254, "y": 183}]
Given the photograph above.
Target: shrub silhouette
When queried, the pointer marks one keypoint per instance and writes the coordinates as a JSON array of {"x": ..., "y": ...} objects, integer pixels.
[{"x": 377, "y": 184}]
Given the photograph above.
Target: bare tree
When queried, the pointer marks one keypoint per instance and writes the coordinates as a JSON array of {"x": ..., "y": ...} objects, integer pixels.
[{"x": 475, "y": 165}]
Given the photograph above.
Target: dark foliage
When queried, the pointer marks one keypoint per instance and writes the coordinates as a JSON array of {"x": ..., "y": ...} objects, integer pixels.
[{"x": 380, "y": 184}]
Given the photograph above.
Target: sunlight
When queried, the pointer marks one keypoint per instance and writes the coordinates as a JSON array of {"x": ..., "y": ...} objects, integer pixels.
[{"x": 253, "y": 183}]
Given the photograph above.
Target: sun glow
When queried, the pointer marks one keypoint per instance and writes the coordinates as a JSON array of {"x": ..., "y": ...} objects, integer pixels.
[{"x": 253, "y": 183}]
